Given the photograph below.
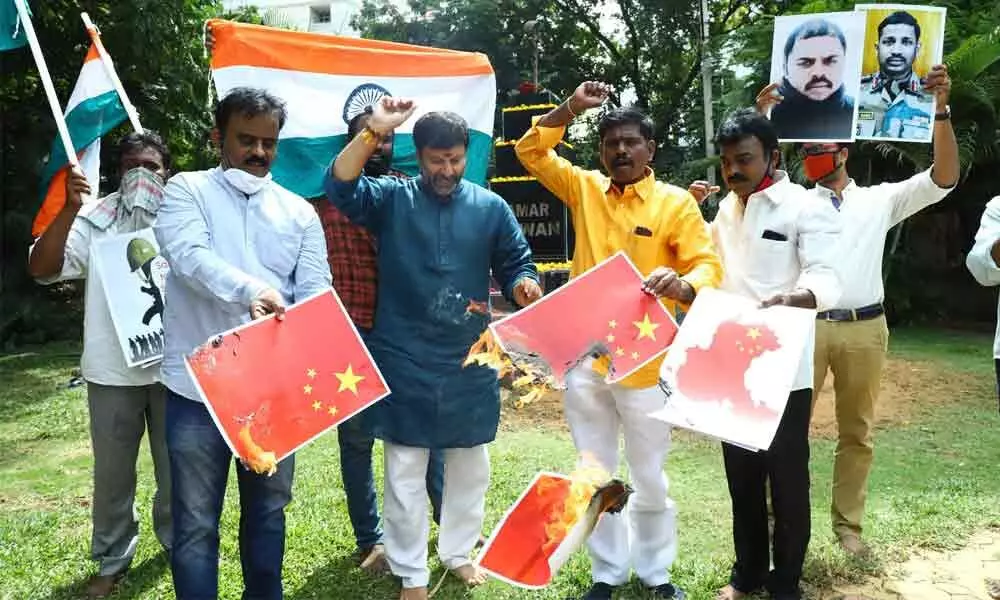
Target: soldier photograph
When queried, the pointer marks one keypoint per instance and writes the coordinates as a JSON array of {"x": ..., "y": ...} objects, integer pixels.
[{"x": 893, "y": 102}]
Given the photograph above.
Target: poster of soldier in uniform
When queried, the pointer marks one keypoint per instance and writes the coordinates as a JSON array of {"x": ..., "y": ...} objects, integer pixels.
[
  {"x": 902, "y": 42},
  {"x": 816, "y": 64},
  {"x": 134, "y": 274}
]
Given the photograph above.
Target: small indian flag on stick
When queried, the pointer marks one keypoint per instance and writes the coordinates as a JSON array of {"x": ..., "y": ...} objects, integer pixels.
[{"x": 95, "y": 108}]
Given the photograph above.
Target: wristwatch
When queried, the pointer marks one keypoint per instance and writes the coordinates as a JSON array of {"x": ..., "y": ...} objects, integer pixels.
[{"x": 943, "y": 116}]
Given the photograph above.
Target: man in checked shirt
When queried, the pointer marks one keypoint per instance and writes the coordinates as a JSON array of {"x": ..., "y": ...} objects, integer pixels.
[{"x": 351, "y": 254}]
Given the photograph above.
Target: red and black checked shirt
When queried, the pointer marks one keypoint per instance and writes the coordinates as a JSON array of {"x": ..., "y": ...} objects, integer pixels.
[{"x": 350, "y": 250}]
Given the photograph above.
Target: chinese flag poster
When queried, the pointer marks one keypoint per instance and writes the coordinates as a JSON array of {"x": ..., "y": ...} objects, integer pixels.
[
  {"x": 602, "y": 311},
  {"x": 731, "y": 367},
  {"x": 273, "y": 386}
]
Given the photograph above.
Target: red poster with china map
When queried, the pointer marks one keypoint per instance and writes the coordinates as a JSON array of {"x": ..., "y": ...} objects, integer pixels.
[
  {"x": 602, "y": 311},
  {"x": 731, "y": 367},
  {"x": 273, "y": 386}
]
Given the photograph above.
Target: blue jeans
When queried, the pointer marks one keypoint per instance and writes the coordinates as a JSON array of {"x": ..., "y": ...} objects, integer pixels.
[
  {"x": 359, "y": 483},
  {"x": 199, "y": 468}
]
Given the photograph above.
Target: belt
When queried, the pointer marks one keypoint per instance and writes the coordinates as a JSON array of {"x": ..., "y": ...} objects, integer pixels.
[{"x": 864, "y": 313}]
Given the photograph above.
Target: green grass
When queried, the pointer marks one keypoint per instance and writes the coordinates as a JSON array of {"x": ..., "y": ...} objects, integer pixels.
[{"x": 933, "y": 484}]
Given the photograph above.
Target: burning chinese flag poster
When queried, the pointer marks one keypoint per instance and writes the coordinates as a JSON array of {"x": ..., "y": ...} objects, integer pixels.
[
  {"x": 604, "y": 311},
  {"x": 731, "y": 367},
  {"x": 549, "y": 522},
  {"x": 273, "y": 386}
]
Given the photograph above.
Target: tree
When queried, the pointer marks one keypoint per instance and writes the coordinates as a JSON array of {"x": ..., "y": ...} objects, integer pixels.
[{"x": 158, "y": 52}]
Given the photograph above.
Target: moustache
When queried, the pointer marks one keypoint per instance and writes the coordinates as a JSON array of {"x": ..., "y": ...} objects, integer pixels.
[
  {"x": 819, "y": 82},
  {"x": 256, "y": 161},
  {"x": 621, "y": 161},
  {"x": 737, "y": 178}
]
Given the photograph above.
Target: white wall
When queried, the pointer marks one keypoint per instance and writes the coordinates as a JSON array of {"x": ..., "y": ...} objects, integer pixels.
[{"x": 298, "y": 13}]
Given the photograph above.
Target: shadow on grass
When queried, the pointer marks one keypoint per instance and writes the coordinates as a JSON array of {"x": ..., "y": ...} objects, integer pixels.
[
  {"x": 136, "y": 583},
  {"x": 341, "y": 578},
  {"x": 29, "y": 378}
]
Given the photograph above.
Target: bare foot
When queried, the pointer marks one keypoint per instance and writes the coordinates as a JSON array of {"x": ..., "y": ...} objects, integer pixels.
[
  {"x": 993, "y": 588},
  {"x": 470, "y": 574},
  {"x": 729, "y": 593},
  {"x": 417, "y": 593},
  {"x": 373, "y": 560}
]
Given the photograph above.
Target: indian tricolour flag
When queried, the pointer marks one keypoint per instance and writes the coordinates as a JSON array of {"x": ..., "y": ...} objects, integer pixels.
[
  {"x": 326, "y": 80},
  {"x": 93, "y": 110}
]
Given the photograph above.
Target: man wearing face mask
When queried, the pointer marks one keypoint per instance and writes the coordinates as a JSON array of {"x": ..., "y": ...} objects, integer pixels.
[
  {"x": 815, "y": 104},
  {"x": 439, "y": 237},
  {"x": 852, "y": 337},
  {"x": 353, "y": 264},
  {"x": 662, "y": 231},
  {"x": 895, "y": 102},
  {"x": 240, "y": 247},
  {"x": 778, "y": 244},
  {"x": 123, "y": 402}
]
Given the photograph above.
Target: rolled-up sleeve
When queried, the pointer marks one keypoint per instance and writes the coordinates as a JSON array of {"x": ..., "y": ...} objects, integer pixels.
[
  {"x": 182, "y": 233},
  {"x": 536, "y": 151},
  {"x": 818, "y": 231},
  {"x": 912, "y": 195},
  {"x": 512, "y": 259},
  {"x": 980, "y": 259},
  {"x": 312, "y": 271}
]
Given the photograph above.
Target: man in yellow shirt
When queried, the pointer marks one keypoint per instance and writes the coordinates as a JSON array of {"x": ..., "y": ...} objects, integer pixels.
[{"x": 660, "y": 227}]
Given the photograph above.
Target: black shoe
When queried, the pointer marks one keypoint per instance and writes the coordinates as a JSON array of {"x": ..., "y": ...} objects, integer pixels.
[
  {"x": 599, "y": 591},
  {"x": 667, "y": 590}
]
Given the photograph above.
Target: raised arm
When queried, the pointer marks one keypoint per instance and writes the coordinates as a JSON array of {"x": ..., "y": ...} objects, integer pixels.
[
  {"x": 984, "y": 258},
  {"x": 45, "y": 261},
  {"x": 536, "y": 148},
  {"x": 930, "y": 186},
  {"x": 182, "y": 233}
]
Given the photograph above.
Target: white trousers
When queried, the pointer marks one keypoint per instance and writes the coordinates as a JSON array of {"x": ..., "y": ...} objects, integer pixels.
[
  {"x": 405, "y": 514},
  {"x": 644, "y": 536}
]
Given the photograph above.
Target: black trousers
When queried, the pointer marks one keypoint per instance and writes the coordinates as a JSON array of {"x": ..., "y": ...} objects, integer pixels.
[{"x": 786, "y": 465}]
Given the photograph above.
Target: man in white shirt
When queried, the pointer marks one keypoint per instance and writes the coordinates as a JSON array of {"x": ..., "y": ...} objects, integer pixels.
[
  {"x": 852, "y": 337},
  {"x": 122, "y": 401},
  {"x": 983, "y": 261},
  {"x": 240, "y": 247},
  {"x": 777, "y": 244}
]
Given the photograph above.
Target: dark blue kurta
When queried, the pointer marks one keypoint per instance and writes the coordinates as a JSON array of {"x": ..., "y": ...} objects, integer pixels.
[{"x": 434, "y": 256}]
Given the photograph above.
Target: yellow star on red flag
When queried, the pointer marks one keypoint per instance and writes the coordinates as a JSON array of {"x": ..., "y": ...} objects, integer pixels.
[
  {"x": 646, "y": 327},
  {"x": 349, "y": 380}
]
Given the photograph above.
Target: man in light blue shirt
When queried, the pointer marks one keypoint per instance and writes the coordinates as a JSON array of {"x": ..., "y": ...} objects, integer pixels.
[{"x": 240, "y": 247}]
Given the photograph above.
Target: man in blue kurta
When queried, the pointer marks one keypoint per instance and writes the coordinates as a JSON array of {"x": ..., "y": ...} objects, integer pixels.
[{"x": 439, "y": 239}]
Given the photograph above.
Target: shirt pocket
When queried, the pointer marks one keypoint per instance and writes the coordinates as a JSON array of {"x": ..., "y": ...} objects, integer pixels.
[
  {"x": 645, "y": 251},
  {"x": 278, "y": 251},
  {"x": 773, "y": 261}
]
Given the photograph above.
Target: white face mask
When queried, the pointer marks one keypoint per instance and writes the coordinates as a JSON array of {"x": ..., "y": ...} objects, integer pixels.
[{"x": 248, "y": 183}]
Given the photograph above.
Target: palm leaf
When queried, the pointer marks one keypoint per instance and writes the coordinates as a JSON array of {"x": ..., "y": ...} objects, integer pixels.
[{"x": 976, "y": 54}]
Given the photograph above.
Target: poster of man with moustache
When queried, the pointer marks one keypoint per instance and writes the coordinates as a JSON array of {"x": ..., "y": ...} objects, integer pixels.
[
  {"x": 902, "y": 42},
  {"x": 815, "y": 69}
]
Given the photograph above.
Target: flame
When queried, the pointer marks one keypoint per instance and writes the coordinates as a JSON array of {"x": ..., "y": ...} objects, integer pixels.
[
  {"x": 254, "y": 457},
  {"x": 584, "y": 482},
  {"x": 530, "y": 382}
]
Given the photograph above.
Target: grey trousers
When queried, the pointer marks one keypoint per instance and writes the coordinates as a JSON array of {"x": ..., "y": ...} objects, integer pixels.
[{"x": 119, "y": 415}]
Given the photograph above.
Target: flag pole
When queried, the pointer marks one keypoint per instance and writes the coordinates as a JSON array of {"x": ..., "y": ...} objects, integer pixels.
[
  {"x": 50, "y": 91},
  {"x": 109, "y": 67}
]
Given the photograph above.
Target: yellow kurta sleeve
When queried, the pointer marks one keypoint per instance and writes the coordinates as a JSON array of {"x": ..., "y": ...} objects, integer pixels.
[
  {"x": 536, "y": 151},
  {"x": 692, "y": 244}
]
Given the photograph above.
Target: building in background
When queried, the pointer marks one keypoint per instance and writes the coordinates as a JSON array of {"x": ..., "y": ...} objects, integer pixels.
[{"x": 330, "y": 16}]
